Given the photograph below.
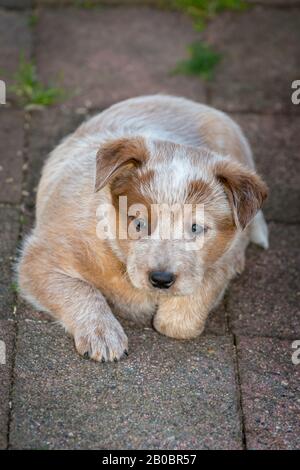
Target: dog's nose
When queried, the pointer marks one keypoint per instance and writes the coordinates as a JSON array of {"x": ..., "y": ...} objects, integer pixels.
[{"x": 161, "y": 279}]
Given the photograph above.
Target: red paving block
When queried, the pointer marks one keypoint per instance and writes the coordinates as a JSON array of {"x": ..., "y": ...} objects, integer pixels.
[
  {"x": 260, "y": 59},
  {"x": 264, "y": 300},
  {"x": 15, "y": 39},
  {"x": 167, "y": 394},
  {"x": 106, "y": 55},
  {"x": 275, "y": 141},
  {"x": 270, "y": 393}
]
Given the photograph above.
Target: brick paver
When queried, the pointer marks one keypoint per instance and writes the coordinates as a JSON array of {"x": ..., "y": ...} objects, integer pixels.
[
  {"x": 9, "y": 231},
  {"x": 167, "y": 394},
  {"x": 260, "y": 50},
  {"x": 270, "y": 391},
  {"x": 15, "y": 39},
  {"x": 265, "y": 299},
  {"x": 275, "y": 141},
  {"x": 15, "y": 4},
  {"x": 103, "y": 60}
]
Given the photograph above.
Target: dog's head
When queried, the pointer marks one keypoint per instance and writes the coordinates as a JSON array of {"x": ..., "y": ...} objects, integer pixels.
[{"x": 177, "y": 209}]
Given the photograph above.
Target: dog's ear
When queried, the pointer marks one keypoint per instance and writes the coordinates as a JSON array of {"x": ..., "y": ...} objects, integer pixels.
[
  {"x": 116, "y": 155},
  {"x": 245, "y": 190}
]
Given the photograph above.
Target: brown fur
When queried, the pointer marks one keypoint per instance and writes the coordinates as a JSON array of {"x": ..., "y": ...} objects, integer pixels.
[
  {"x": 245, "y": 190},
  {"x": 112, "y": 157}
]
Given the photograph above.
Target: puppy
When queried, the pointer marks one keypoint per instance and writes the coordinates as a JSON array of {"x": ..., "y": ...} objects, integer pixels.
[{"x": 101, "y": 246}]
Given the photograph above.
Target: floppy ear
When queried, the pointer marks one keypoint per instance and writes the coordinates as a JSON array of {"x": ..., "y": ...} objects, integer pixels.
[
  {"x": 115, "y": 155},
  {"x": 245, "y": 190}
]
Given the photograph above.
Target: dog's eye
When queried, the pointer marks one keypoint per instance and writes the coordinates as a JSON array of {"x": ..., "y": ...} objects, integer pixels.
[
  {"x": 197, "y": 229},
  {"x": 140, "y": 224}
]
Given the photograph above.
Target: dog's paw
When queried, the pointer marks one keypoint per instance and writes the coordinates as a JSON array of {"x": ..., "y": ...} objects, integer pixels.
[
  {"x": 102, "y": 341},
  {"x": 177, "y": 319}
]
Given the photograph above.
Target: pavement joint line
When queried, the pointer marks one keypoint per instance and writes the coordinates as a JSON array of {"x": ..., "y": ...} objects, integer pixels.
[
  {"x": 236, "y": 367},
  {"x": 239, "y": 392},
  {"x": 56, "y": 5},
  {"x": 226, "y": 308},
  {"x": 15, "y": 299},
  {"x": 12, "y": 382}
]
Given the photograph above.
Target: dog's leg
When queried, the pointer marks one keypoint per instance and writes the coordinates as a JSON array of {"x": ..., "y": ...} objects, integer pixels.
[
  {"x": 184, "y": 317},
  {"x": 77, "y": 305}
]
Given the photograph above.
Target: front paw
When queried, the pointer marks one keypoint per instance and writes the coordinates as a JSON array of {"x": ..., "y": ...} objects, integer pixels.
[
  {"x": 101, "y": 340},
  {"x": 176, "y": 319}
]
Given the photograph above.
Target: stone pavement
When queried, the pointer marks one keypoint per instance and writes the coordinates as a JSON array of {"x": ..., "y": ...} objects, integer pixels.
[{"x": 236, "y": 386}]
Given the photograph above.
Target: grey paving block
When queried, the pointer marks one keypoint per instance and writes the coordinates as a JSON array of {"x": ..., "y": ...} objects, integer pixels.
[
  {"x": 276, "y": 3},
  {"x": 18, "y": 4},
  {"x": 100, "y": 3},
  {"x": 46, "y": 129},
  {"x": 11, "y": 151},
  {"x": 216, "y": 322},
  {"x": 270, "y": 391},
  {"x": 264, "y": 301},
  {"x": 15, "y": 39},
  {"x": 102, "y": 60},
  {"x": 275, "y": 141},
  {"x": 7, "y": 334},
  {"x": 9, "y": 232},
  {"x": 168, "y": 394},
  {"x": 260, "y": 59}
]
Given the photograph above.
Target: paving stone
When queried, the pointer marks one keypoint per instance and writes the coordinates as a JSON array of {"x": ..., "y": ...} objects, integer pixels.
[
  {"x": 15, "y": 38},
  {"x": 216, "y": 321},
  {"x": 270, "y": 391},
  {"x": 260, "y": 59},
  {"x": 21, "y": 4},
  {"x": 11, "y": 147},
  {"x": 46, "y": 129},
  {"x": 167, "y": 394},
  {"x": 9, "y": 232},
  {"x": 102, "y": 60},
  {"x": 276, "y": 3},
  {"x": 264, "y": 301},
  {"x": 86, "y": 3},
  {"x": 7, "y": 330},
  {"x": 275, "y": 142}
]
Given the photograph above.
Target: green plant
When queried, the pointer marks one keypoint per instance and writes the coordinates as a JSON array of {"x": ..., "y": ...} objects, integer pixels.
[
  {"x": 33, "y": 20},
  {"x": 29, "y": 90},
  {"x": 202, "y": 61},
  {"x": 14, "y": 287},
  {"x": 203, "y": 10}
]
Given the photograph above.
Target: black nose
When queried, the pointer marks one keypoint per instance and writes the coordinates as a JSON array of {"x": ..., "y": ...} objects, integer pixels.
[{"x": 161, "y": 279}]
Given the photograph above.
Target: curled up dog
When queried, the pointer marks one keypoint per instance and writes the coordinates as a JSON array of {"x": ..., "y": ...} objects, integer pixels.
[{"x": 144, "y": 212}]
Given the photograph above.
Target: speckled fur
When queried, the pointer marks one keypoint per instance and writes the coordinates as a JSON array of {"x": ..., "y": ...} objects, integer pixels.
[{"x": 66, "y": 270}]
